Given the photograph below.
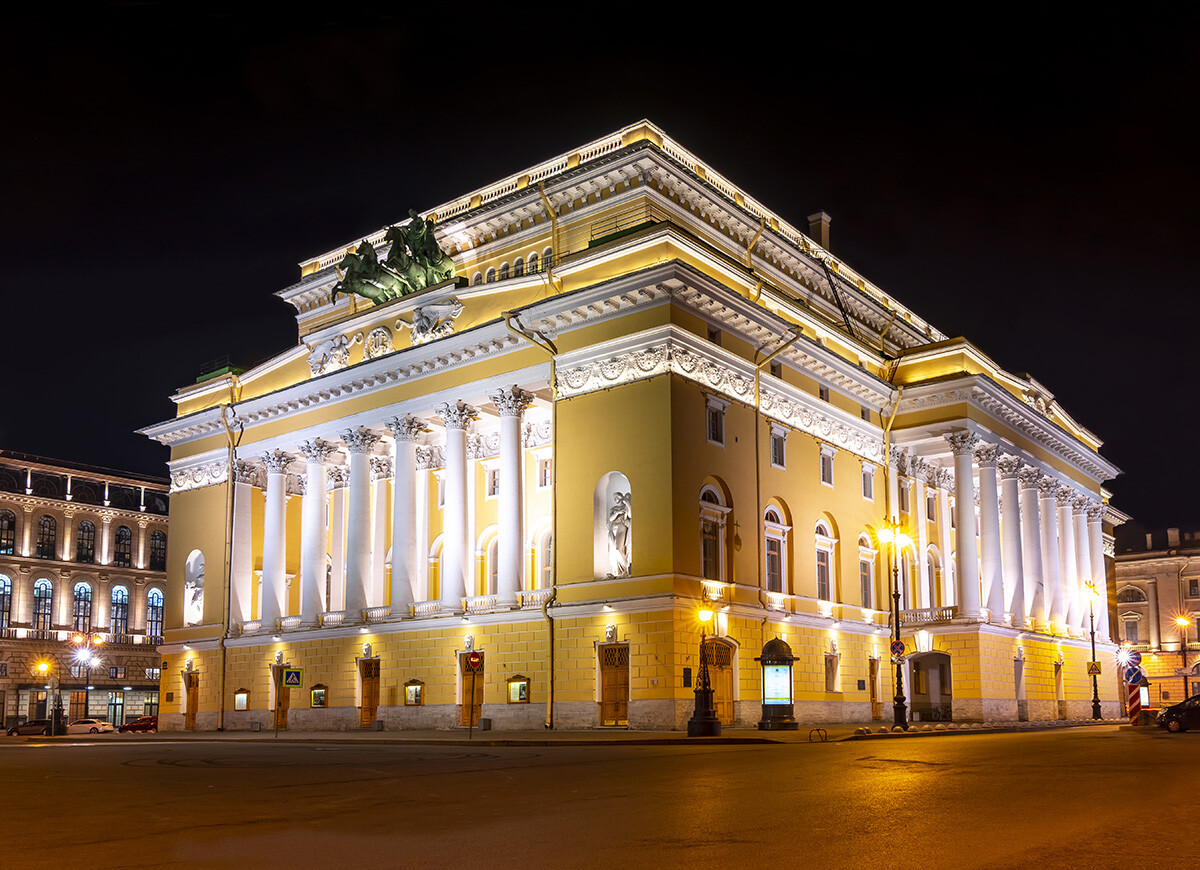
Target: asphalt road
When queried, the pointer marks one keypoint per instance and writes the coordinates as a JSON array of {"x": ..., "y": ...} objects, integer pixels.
[{"x": 1093, "y": 798}]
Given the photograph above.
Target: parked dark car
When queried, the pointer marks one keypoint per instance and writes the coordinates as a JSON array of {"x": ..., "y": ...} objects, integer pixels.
[
  {"x": 33, "y": 726},
  {"x": 145, "y": 723},
  {"x": 1181, "y": 716}
]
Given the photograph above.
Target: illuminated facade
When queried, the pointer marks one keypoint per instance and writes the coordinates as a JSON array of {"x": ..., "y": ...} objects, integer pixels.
[
  {"x": 1158, "y": 611},
  {"x": 645, "y": 390},
  {"x": 83, "y": 553}
]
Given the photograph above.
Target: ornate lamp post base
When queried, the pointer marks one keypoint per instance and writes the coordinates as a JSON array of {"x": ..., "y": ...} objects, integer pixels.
[{"x": 704, "y": 722}]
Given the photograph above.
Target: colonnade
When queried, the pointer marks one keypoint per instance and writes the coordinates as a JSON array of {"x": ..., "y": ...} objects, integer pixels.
[
  {"x": 357, "y": 514},
  {"x": 1040, "y": 543}
]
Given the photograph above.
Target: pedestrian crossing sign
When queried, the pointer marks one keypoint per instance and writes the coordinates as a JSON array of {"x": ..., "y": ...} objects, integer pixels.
[
  {"x": 293, "y": 678},
  {"x": 1093, "y": 669}
]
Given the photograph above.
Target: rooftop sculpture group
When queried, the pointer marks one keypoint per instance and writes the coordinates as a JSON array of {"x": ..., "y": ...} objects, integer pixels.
[{"x": 413, "y": 262}]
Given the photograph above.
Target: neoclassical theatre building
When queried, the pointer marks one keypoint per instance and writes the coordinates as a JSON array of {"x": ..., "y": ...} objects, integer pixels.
[{"x": 546, "y": 421}]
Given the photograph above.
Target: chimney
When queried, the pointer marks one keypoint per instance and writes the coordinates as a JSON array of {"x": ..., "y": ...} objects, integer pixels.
[
  {"x": 818, "y": 228},
  {"x": 1172, "y": 537},
  {"x": 1149, "y": 541}
]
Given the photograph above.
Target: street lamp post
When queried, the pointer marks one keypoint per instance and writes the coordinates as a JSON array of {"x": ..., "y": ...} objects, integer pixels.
[
  {"x": 704, "y": 721},
  {"x": 1183, "y": 622},
  {"x": 899, "y": 708},
  {"x": 1093, "y": 594},
  {"x": 53, "y": 698},
  {"x": 85, "y": 646}
]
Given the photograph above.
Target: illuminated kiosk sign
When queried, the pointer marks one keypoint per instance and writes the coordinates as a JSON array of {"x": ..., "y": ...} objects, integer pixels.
[{"x": 777, "y": 699}]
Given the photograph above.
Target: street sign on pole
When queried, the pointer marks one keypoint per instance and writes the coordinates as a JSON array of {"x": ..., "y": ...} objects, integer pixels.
[
  {"x": 1134, "y": 675},
  {"x": 1135, "y": 658},
  {"x": 897, "y": 648},
  {"x": 293, "y": 678},
  {"x": 1093, "y": 669},
  {"x": 475, "y": 660}
]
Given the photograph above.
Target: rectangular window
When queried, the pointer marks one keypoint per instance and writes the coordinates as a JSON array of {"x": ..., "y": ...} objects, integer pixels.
[
  {"x": 778, "y": 457},
  {"x": 823, "y": 575},
  {"x": 931, "y": 507},
  {"x": 441, "y": 489},
  {"x": 116, "y": 673},
  {"x": 116, "y": 708},
  {"x": 545, "y": 473},
  {"x": 776, "y": 369},
  {"x": 826, "y": 469},
  {"x": 1131, "y": 631},
  {"x": 3, "y": 669},
  {"x": 714, "y": 335},
  {"x": 866, "y": 582},
  {"x": 150, "y": 707},
  {"x": 716, "y": 425},
  {"x": 518, "y": 690},
  {"x": 953, "y": 515},
  {"x": 904, "y": 496},
  {"x": 77, "y": 671},
  {"x": 414, "y": 693},
  {"x": 493, "y": 482},
  {"x": 78, "y": 708},
  {"x": 317, "y": 697},
  {"x": 868, "y": 483},
  {"x": 1194, "y": 587},
  {"x": 153, "y": 673},
  {"x": 774, "y": 565},
  {"x": 709, "y": 550},
  {"x": 823, "y": 393},
  {"x": 865, "y": 413}
]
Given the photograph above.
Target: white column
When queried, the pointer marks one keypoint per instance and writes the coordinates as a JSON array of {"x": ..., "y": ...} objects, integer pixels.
[
  {"x": 1010, "y": 539},
  {"x": 1066, "y": 556},
  {"x": 456, "y": 417},
  {"x": 404, "y": 513},
  {"x": 1037, "y": 604},
  {"x": 944, "y": 481},
  {"x": 381, "y": 473},
  {"x": 1051, "y": 566},
  {"x": 358, "y": 521},
  {"x": 920, "y": 535},
  {"x": 1095, "y": 515},
  {"x": 312, "y": 530},
  {"x": 511, "y": 403},
  {"x": 992, "y": 573},
  {"x": 274, "y": 590},
  {"x": 141, "y": 553},
  {"x": 1083, "y": 559},
  {"x": 1152, "y": 612},
  {"x": 241, "y": 563},
  {"x": 967, "y": 556},
  {"x": 339, "y": 476}
]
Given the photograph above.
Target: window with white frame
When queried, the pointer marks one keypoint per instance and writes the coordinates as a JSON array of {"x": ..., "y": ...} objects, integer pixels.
[
  {"x": 492, "y": 563},
  {"x": 823, "y": 393},
  {"x": 493, "y": 482},
  {"x": 1193, "y": 587},
  {"x": 1130, "y": 621},
  {"x": 778, "y": 446},
  {"x": 715, "y": 419},
  {"x": 826, "y": 546},
  {"x": 714, "y": 514},
  {"x": 545, "y": 557},
  {"x": 866, "y": 571},
  {"x": 868, "y": 481},
  {"x": 545, "y": 472},
  {"x": 775, "y": 540},
  {"x": 903, "y": 493},
  {"x": 827, "y": 454},
  {"x": 931, "y": 501}
]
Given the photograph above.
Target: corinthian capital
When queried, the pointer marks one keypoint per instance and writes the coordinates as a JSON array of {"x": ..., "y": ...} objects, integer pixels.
[
  {"x": 245, "y": 472},
  {"x": 1008, "y": 466},
  {"x": 316, "y": 450},
  {"x": 457, "y": 415},
  {"x": 1079, "y": 504},
  {"x": 962, "y": 442},
  {"x": 1063, "y": 495},
  {"x": 985, "y": 455},
  {"x": 1029, "y": 477},
  {"x": 511, "y": 401},
  {"x": 1095, "y": 512},
  {"x": 276, "y": 461},
  {"x": 1048, "y": 486},
  {"x": 359, "y": 440},
  {"x": 381, "y": 467},
  {"x": 406, "y": 428}
]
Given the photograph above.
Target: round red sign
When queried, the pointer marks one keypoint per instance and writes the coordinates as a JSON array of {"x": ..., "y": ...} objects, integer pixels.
[{"x": 475, "y": 660}]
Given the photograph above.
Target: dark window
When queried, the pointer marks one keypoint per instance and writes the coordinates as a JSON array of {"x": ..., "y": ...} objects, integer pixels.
[
  {"x": 158, "y": 551},
  {"x": 8, "y": 533},
  {"x": 518, "y": 268},
  {"x": 43, "y": 593},
  {"x": 82, "y": 611},
  {"x": 5, "y": 601},
  {"x": 151, "y": 707},
  {"x": 46, "y": 537},
  {"x": 123, "y": 554},
  {"x": 154, "y": 613},
  {"x": 117, "y": 673},
  {"x": 533, "y": 263},
  {"x": 120, "y": 610},
  {"x": 85, "y": 542},
  {"x": 776, "y": 369}
]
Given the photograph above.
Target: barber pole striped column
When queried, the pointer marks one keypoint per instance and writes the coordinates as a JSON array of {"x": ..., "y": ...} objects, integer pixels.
[{"x": 1135, "y": 702}]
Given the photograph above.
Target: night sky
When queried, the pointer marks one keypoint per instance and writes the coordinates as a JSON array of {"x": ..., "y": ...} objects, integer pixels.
[{"x": 1029, "y": 182}]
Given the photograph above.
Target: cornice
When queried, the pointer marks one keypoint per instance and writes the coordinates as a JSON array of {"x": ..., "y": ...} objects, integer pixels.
[{"x": 75, "y": 507}]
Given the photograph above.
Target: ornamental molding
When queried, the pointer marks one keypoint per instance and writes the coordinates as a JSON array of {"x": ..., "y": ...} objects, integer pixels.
[
  {"x": 536, "y": 433},
  {"x": 338, "y": 477},
  {"x": 381, "y": 467},
  {"x": 276, "y": 461},
  {"x": 1009, "y": 466},
  {"x": 406, "y": 428},
  {"x": 430, "y": 457},
  {"x": 511, "y": 401},
  {"x": 457, "y": 414},
  {"x": 361, "y": 440},
  {"x": 483, "y": 446},
  {"x": 985, "y": 394},
  {"x": 317, "y": 450},
  {"x": 197, "y": 472}
]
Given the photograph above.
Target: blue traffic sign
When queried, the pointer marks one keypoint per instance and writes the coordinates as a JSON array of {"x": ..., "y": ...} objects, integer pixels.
[
  {"x": 897, "y": 647},
  {"x": 1134, "y": 675},
  {"x": 1135, "y": 658}
]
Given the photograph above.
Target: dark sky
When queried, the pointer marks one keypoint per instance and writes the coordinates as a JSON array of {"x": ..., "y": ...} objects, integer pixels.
[{"x": 1028, "y": 181}]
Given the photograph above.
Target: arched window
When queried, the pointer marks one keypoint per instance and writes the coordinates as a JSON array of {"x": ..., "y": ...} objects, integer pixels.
[
  {"x": 489, "y": 276},
  {"x": 491, "y": 564},
  {"x": 1131, "y": 595},
  {"x": 85, "y": 542},
  {"x": 714, "y": 514},
  {"x": 548, "y": 258},
  {"x": 81, "y": 612},
  {"x": 120, "y": 610},
  {"x": 158, "y": 550},
  {"x": 503, "y": 271},
  {"x": 826, "y": 544},
  {"x": 476, "y": 279},
  {"x": 5, "y": 601},
  {"x": 866, "y": 571},
  {"x": 47, "y": 535},
  {"x": 434, "y": 581},
  {"x": 518, "y": 267},
  {"x": 775, "y": 549},
  {"x": 154, "y": 613},
  {"x": 533, "y": 263},
  {"x": 123, "y": 552},
  {"x": 8, "y": 533},
  {"x": 545, "y": 550},
  {"x": 43, "y": 595}
]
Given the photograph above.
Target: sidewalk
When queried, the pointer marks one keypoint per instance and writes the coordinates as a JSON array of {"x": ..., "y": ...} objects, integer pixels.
[{"x": 807, "y": 733}]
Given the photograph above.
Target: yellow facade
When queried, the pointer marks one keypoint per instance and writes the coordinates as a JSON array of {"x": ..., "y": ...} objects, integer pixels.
[{"x": 632, "y": 310}]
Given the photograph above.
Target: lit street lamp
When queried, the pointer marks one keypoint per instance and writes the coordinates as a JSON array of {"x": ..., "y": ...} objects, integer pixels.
[
  {"x": 52, "y": 696},
  {"x": 1183, "y": 622},
  {"x": 704, "y": 721},
  {"x": 898, "y": 539},
  {"x": 85, "y": 647},
  {"x": 1093, "y": 594}
]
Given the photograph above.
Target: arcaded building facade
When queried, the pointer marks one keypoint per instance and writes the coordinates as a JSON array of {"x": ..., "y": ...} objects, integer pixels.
[{"x": 637, "y": 390}]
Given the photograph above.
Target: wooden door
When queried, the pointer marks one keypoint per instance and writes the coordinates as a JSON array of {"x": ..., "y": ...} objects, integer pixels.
[
  {"x": 720, "y": 674},
  {"x": 876, "y": 709},
  {"x": 283, "y": 699},
  {"x": 191, "y": 684},
  {"x": 471, "y": 711},
  {"x": 368, "y": 670},
  {"x": 614, "y": 684}
]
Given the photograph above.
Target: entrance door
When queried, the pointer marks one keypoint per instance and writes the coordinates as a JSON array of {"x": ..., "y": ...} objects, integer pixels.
[
  {"x": 191, "y": 683},
  {"x": 368, "y": 670},
  {"x": 720, "y": 673},
  {"x": 471, "y": 711},
  {"x": 283, "y": 698},
  {"x": 614, "y": 684},
  {"x": 37, "y": 704},
  {"x": 873, "y": 683},
  {"x": 116, "y": 708},
  {"x": 1019, "y": 690}
]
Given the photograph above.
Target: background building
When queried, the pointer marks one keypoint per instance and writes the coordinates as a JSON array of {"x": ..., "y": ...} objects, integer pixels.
[
  {"x": 1158, "y": 609},
  {"x": 643, "y": 391},
  {"x": 83, "y": 553}
]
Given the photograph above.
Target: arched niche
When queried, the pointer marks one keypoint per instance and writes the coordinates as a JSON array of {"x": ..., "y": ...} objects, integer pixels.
[{"x": 612, "y": 535}]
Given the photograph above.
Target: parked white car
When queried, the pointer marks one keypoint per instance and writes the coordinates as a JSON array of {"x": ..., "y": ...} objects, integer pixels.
[{"x": 89, "y": 726}]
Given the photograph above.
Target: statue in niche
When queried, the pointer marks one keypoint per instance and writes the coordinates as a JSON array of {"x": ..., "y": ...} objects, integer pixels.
[
  {"x": 619, "y": 519},
  {"x": 193, "y": 594}
]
